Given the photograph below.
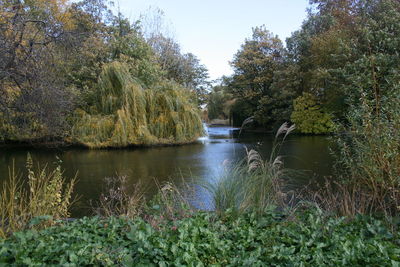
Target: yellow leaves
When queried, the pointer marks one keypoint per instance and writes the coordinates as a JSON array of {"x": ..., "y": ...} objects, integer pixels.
[
  {"x": 5, "y": 16},
  {"x": 130, "y": 115},
  {"x": 309, "y": 116},
  {"x": 59, "y": 9}
]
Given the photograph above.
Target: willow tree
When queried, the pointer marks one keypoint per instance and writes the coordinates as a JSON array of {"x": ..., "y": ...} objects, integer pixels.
[{"x": 127, "y": 114}]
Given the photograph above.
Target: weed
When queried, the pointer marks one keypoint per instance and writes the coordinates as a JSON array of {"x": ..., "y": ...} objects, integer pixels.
[{"x": 46, "y": 193}]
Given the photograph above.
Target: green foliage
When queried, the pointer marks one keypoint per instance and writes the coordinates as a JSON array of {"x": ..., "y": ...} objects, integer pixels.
[
  {"x": 184, "y": 69},
  {"x": 126, "y": 114},
  {"x": 254, "y": 66},
  {"x": 369, "y": 156},
  {"x": 309, "y": 116},
  {"x": 341, "y": 47},
  {"x": 307, "y": 239},
  {"x": 220, "y": 102},
  {"x": 130, "y": 47},
  {"x": 367, "y": 171}
]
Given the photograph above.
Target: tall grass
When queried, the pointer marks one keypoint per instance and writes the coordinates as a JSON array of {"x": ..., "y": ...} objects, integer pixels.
[
  {"x": 369, "y": 159},
  {"x": 127, "y": 114},
  {"x": 253, "y": 184},
  {"x": 46, "y": 193},
  {"x": 367, "y": 171}
]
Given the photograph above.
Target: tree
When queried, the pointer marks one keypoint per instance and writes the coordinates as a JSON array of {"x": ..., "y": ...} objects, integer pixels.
[
  {"x": 33, "y": 96},
  {"x": 220, "y": 101},
  {"x": 254, "y": 67},
  {"x": 184, "y": 69}
]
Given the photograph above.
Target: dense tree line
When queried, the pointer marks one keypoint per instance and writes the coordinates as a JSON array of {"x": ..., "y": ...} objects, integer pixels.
[
  {"x": 56, "y": 57},
  {"x": 345, "y": 52}
]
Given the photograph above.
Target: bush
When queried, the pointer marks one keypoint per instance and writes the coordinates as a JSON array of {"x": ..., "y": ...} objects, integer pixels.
[
  {"x": 369, "y": 159},
  {"x": 309, "y": 117}
]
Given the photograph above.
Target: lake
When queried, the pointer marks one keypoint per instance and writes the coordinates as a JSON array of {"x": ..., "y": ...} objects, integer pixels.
[{"x": 200, "y": 162}]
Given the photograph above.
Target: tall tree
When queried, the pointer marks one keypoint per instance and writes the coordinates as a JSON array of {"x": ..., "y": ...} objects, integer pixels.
[
  {"x": 254, "y": 67},
  {"x": 33, "y": 95}
]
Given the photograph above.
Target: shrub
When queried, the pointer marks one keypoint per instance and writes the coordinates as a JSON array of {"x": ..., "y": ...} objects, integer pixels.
[
  {"x": 369, "y": 160},
  {"x": 120, "y": 199},
  {"x": 309, "y": 117}
]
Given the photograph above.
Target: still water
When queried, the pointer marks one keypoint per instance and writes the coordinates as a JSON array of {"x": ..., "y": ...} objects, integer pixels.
[{"x": 199, "y": 162}]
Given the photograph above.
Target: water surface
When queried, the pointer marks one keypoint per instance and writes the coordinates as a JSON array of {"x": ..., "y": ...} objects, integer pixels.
[{"x": 201, "y": 161}]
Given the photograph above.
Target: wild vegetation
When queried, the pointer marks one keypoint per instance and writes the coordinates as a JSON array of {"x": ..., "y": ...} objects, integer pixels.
[
  {"x": 77, "y": 73},
  {"x": 305, "y": 239},
  {"x": 254, "y": 184},
  {"x": 255, "y": 222},
  {"x": 166, "y": 231},
  {"x": 338, "y": 74},
  {"x": 46, "y": 196}
]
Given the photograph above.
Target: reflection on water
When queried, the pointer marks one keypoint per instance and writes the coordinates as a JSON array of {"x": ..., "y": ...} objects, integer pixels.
[{"x": 201, "y": 161}]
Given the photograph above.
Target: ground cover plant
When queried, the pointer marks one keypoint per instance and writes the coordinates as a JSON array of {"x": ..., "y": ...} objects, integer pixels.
[{"x": 306, "y": 238}]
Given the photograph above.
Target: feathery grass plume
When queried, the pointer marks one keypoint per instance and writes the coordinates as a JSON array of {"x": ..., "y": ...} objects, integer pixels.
[
  {"x": 281, "y": 129},
  {"x": 245, "y": 123},
  {"x": 285, "y": 129},
  {"x": 127, "y": 114},
  {"x": 47, "y": 194},
  {"x": 253, "y": 184},
  {"x": 254, "y": 160}
]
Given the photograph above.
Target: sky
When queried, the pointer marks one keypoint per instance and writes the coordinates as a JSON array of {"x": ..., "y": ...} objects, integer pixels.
[{"x": 214, "y": 30}]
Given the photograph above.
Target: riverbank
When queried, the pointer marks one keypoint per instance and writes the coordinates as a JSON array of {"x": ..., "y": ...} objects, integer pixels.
[
  {"x": 304, "y": 238},
  {"x": 66, "y": 144}
]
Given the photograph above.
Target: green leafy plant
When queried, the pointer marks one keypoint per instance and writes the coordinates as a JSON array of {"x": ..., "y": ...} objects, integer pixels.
[
  {"x": 309, "y": 117},
  {"x": 307, "y": 238}
]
